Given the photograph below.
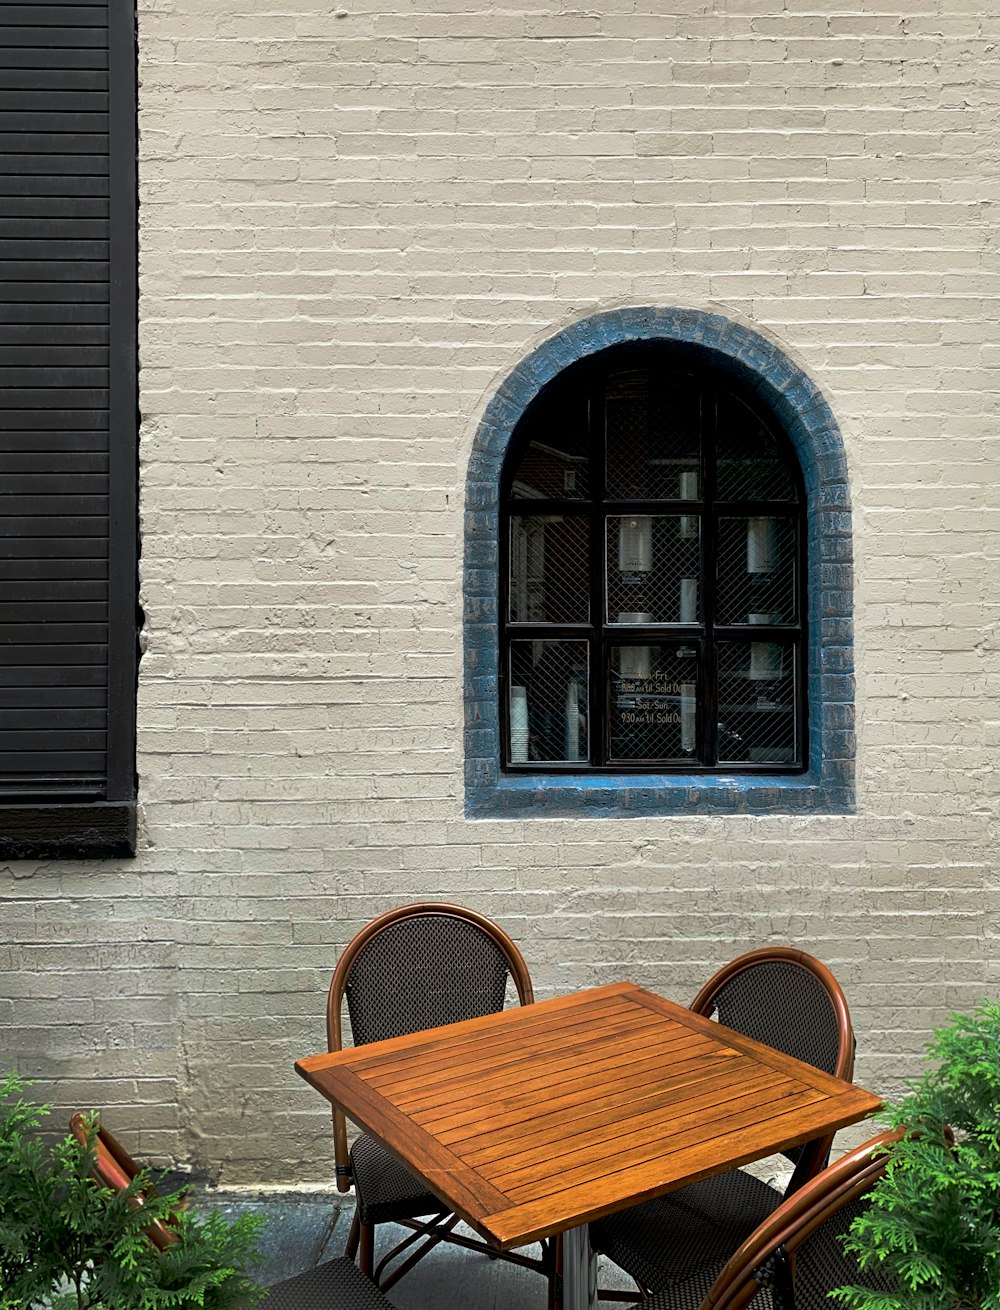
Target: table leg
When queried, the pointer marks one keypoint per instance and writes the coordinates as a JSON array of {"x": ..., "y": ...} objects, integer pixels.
[{"x": 579, "y": 1286}]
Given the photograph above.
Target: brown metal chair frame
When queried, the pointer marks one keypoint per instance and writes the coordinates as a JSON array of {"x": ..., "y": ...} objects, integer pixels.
[
  {"x": 361, "y": 1240},
  {"x": 816, "y": 1153},
  {"x": 110, "y": 1160},
  {"x": 796, "y": 1219},
  {"x": 112, "y": 1164}
]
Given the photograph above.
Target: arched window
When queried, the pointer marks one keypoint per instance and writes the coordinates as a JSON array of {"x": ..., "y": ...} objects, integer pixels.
[
  {"x": 658, "y": 583},
  {"x": 652, "y": 585}
]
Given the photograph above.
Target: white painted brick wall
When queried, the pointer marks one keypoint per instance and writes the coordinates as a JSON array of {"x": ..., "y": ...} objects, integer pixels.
[{"x": 353, "y": 224}]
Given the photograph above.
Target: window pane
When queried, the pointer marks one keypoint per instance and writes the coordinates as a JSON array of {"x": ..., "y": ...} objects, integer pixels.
[
  {"x": 549, "y": 569},
  {"x": 757, "y": 702},
  {"x": 751, "y": 464},
  {"x": 756, "y": 570},
  {"x": 556, "y": 466},
  {"x": 556, "y": 462},
  {"x": 549, "y": 702},
  {"x": 653, "y": 568},
  {"x": 653, "y": 434},
  {"x": 654, "y": 697}
]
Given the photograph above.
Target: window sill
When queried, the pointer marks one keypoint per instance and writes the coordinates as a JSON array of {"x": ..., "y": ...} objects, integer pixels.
[
  {"x": 540, "y": 795},
  {"x": 100, "y": 830}
]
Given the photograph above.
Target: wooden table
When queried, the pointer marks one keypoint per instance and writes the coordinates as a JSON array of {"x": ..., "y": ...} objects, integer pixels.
[{"x": 539, "y": 1119}]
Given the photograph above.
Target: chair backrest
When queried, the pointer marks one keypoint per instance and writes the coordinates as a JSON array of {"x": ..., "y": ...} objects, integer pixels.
[
  {"x": 796, "y": 1257},
  {"x": 789, "y": 1000},
  {"x": 419, "y": 966},
  {"x": 114, "y": 1168}
]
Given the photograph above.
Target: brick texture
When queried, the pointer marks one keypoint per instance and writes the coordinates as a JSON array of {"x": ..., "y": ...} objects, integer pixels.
[{"x": 354, "y": 223}]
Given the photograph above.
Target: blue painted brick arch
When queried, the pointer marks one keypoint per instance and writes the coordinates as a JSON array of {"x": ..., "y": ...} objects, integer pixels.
[{"x": 827, "y": 787}]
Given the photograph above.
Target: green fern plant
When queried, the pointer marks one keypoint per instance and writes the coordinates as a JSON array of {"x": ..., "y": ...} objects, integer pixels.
[
  {"x": 66, "y": 1243},
  {"x": 933, "y": 1226}
]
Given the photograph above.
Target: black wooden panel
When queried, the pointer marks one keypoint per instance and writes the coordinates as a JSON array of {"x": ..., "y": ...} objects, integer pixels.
[
  {"x": 33, "y": 55},
  {"x": 12, "y": 656},
  {"x": 24, "y": 620},
  {"x": 56, "y": 700},
  {"x": 54, "y": 208},
  {"x": 68, "y": 831},
  {"x": 65, "y": 164},
  {"x": 68, "y": 676},
  {"x": 63, "y": 462},
  {"x": 57, "y": 553},
  {"x": 61, "y": 16},
  {"x": 36, "y": 226},
  {"x": 14, "y": 314},
  {"x": 52, "y": 719},
  {"x": 55, "y": 293},
  {"x": 56, "y": 483},
  {"x": 38, "y": 593},
  {"x": 55, "y": 398},
  {"x": 56, "y": 379},
  {"x": 21, "y": 78},
  {"x": 53, "y": 270},
  {"x": 39, "y": 571},
  {"x": 36, "y": 438},
  {"x": 39, "y": 357},
  {"x": 58, "y": 528},
  {"x": 46, "y": 339},
  {"x": 61, "y": 119},
  {"x": 65, "y": 142},
  {"x": 52, "y": 634},
  {"x": 51, "y": 100},
  {"x": 17, "y": 758},
  {"x": 55, "y": 184},
  {"x": 43, "y": 246},
  {"x": 75, "y": 40},
  {"x": 70, "y": 741}
]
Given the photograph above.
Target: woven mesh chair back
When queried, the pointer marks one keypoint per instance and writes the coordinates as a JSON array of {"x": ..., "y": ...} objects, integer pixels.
[
  {"x": 797, "y": 1256},
  {"x": 421, "y": 972},
  {"x": 822, "y": 1264},
  {"x": 819, "y": 1264},
  {"x": 787, "y": 1005}
]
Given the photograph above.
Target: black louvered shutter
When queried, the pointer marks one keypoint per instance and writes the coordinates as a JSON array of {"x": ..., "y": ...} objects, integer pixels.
[{"x": 67, "y": 427}]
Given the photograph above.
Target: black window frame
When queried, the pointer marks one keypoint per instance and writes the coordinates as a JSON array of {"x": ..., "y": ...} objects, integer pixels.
[
  {"x": 46, "y": 822},
  {"x": 590, "y": 377}
]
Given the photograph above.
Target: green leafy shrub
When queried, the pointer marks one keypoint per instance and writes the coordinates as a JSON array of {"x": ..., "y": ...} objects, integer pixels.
[
  {"x": 933, "y": 1224},
  {"x": 66, "y": 1243}
]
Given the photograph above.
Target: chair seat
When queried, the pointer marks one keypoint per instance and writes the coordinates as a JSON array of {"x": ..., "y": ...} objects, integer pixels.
[
  {"x": 686, "y": 1237},
  {"x": 386, "y": 1190},
  {"x": 338, "y": 1283}
]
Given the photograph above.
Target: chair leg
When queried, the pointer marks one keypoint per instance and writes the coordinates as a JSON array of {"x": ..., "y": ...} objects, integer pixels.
[
  {"x": 324, "y": 1238},
  {"x": 353, "y": 1237},
  {"x": 556, "y": 1273},
  {"x": 366, "y": 1259}
]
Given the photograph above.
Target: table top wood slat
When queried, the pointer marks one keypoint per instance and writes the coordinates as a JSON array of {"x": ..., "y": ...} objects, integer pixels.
[
  {"x": 575, "y": 1033},
  {"x": 494, "y": 1061},
  {"x": 615, "y": 1189},
  {"x": 543, "y": 1117},
  {"x": 592, "y": 1063},
  {"x": 656, "y": 1112},
  {"x": 439, "y": 1167},
  {"x": 646, "y": 1140},
  {"x": 586, "y": 1094}
]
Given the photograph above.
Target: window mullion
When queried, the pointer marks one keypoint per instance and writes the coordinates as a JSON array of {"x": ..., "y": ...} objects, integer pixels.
[
  {"x": 598, "y": 549},
  {"x": 708, "y": 745}
]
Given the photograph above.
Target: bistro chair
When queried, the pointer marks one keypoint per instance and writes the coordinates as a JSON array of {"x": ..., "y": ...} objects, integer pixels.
[
  {"x": 788, "y": 1000},
  {"x": 796, "y": 1257},
  {"x": 337, "y": 1283},
  {"x": 419, "y": 966}
]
